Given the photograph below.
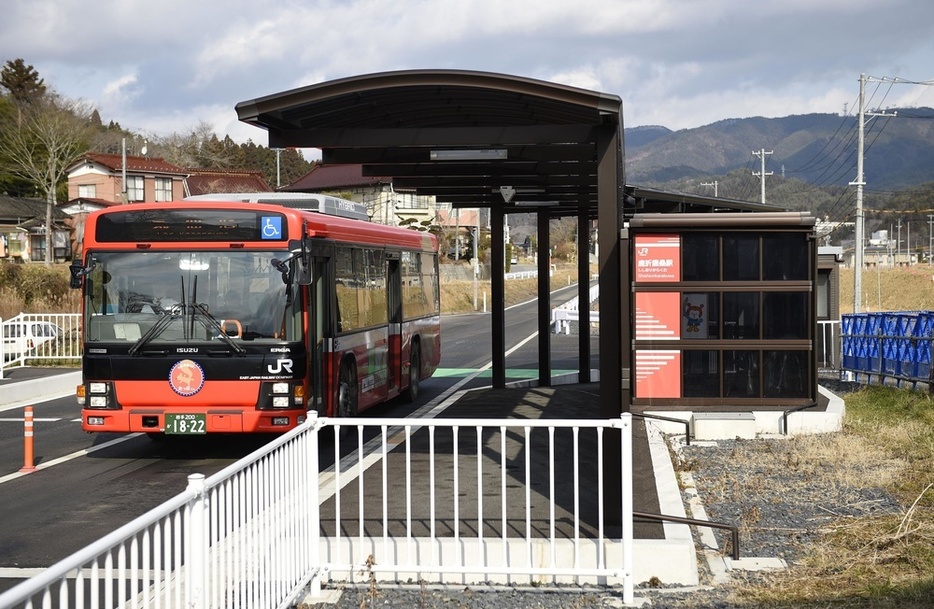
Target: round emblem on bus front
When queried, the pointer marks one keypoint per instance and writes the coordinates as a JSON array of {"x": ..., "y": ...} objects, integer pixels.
[{"x": 186, "y": 377}]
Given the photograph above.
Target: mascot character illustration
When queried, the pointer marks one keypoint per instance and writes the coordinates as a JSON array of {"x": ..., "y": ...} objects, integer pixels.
[{"x": 694, "y": 314}]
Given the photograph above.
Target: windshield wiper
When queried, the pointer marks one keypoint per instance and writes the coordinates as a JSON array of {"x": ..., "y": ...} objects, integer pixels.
[
  {"x": 156, "y": 328},
  {"x": 215, "y": 325}
]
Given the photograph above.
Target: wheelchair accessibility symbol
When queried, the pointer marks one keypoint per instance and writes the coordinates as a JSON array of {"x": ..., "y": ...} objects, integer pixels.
[{"x": 271, "y": 227}]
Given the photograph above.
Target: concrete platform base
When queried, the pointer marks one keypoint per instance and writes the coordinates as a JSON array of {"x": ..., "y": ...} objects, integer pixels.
[
  {"x": 724, "y": 425},
  {"x": 768, "y": 423}
]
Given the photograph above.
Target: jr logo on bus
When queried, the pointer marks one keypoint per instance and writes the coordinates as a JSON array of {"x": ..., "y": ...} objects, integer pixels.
[{"x": 281, "y": 365}]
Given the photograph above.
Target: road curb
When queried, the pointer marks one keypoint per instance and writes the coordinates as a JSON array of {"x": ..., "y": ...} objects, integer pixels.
[{"x": 31, "y": 391}]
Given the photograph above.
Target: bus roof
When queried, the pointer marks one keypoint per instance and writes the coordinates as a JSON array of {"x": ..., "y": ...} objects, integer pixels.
[
  {"x": 316, "y": 224},
  {"x": 324, "y": 204}
]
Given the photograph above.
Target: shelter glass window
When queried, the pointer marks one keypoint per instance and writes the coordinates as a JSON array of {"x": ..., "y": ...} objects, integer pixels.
[
  {"x": 741, "y": 257},
  {"x": 785, "y": 315},
  {"x": 785, "y": 257},
  {"x": 741, "y": 374},
  {"x": 785, "y": 374},
  {"x": 700, "y": 374},
  {"x": 700, "y": 257},
  {"x": 740, "y": 315}
]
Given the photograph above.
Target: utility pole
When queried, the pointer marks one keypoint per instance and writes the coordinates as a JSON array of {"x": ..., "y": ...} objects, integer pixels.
[
  {"x": 762, "y": 154},
  {"x": 930, "y": 237},
  {"x": 278, "y": 172},
  {"x": 860, "y": 182},
  {"x": 714, "y": 184}
]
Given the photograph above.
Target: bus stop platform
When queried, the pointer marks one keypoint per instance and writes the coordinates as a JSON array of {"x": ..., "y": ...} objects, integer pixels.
[
  {"x": 26, "y": 385},
  {"x": 662, "y": 549}
]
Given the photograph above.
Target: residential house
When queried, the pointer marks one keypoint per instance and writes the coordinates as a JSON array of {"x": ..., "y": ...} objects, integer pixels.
[
  {"x": 384, "y": 204},
  {"x": 23, "y": 231},
  {"x": 211, "y": 181},
  {"x": 100, "y": 176},
  {"x": 96, "y": 181}
]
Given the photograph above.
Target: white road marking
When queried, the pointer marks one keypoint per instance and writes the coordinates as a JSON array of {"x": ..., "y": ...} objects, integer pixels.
[{"x": 74, "y": 455}]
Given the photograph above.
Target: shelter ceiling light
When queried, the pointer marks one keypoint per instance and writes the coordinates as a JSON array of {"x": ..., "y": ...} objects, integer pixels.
[
  {"x": 536, "y": 203},
  {"x": 469, "y": 154}
]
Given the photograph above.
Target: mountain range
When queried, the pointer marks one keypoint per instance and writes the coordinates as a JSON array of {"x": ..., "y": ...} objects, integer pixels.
[{"x": 819, "y": 149}]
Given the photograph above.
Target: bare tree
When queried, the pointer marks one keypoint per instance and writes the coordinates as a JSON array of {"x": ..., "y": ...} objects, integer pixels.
[
  {"x": 198, "y": 148},
  {"x": 45, "y": 138}
]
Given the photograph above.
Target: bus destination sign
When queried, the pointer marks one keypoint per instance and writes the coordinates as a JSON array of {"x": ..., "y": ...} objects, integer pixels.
[{"x": 176, "y": 225}]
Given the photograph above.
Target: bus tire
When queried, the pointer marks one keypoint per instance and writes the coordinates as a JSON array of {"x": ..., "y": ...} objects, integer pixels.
[
  {"x": 347, "y": 390},
  {"x": 415, "y": 372}
]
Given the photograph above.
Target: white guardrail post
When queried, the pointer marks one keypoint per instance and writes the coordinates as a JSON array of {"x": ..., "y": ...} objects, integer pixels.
[
  {"x": 196, "y": 537},
  {"x": 627, "y": 506}
]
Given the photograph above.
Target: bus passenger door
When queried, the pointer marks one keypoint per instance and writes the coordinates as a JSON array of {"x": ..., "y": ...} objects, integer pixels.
[
  {"x": 320, "y": 295},
  {"x": 394, "y": 302}
]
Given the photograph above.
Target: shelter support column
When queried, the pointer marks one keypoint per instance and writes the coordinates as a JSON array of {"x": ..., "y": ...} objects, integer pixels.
[
  {"x": 497, "y": 295},
  {"x": 583, "y": 292},
  {"x": 614, "y": 307},
  {"x": 544, "y": 298}
]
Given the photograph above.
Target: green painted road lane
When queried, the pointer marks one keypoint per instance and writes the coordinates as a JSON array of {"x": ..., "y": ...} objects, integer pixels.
[{"x": 518, "y": 373}]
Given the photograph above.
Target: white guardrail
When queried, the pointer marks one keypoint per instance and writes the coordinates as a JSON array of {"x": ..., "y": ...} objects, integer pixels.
[
  {"x": 39, "y": 337},
  {"x": 437, "y": 500},
  {"x": 563, "y": 315}
]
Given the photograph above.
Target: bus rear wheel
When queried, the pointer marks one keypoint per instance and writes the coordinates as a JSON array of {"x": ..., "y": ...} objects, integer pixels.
[
  {"x": 415, "y": 372},
  {"x": 347, "y": 391}
]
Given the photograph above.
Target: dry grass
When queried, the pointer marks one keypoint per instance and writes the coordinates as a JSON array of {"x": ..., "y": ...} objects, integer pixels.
[
  {"x": 882, "y": 559},
  {"x": 457, "y": 296},
  {"x": 36, "y": 288},
  {"x": 892, "y": 289}
]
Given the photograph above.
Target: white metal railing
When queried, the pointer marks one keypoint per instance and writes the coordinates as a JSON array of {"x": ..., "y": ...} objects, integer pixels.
[
  {"x": 45, "y": 337},
  {"x": 433, "y": 499},
  {"x": 830, "y": 344},
  {"x": 563, "y": 315}
]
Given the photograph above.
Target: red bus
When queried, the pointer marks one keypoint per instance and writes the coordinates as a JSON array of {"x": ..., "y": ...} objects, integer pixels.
[{"x": 240, "y": 317}]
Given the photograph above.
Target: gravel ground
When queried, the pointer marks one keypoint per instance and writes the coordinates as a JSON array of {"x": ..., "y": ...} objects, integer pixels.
[{"x": 779, "y": 503}]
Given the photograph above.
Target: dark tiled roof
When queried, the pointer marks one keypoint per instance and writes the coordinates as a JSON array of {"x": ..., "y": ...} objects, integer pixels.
[
  {"x": 330, "y": 177},
  {"x": 209, "y": 181},
  {"x": 114, "y": 162},
  {"x": 14, "y": 210}
]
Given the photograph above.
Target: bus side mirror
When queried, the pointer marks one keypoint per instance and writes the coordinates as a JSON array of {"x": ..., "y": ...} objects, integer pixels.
[
  {"x": 303, "y": 272},
  {"x": 78, "y": 271}
]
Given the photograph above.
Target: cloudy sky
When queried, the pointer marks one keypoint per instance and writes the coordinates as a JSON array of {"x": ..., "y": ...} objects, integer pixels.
[{"x": 164, "y": 66}]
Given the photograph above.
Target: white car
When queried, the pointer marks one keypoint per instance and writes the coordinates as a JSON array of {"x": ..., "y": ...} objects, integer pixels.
[{"x": 23, "y": 337}]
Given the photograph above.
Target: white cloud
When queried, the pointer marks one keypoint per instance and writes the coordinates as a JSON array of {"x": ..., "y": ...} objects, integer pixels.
[{"x": 679, "y": 63}]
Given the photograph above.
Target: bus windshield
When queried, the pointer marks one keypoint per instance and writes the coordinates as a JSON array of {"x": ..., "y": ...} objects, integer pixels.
[{"x": 148, "y": 299}]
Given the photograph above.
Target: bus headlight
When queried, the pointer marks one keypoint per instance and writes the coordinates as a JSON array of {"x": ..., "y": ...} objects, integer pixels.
[
  {"x": 279, "y": 388},
  {"x": 98, "y": 395},
  {"x": 280, "y": 401}
]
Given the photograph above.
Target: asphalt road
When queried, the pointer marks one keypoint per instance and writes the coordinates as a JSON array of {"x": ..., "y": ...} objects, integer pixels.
[{"x": 92, "y": 484}]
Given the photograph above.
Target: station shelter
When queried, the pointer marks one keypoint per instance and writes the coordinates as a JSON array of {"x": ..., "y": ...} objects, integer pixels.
[{"x": 702, "y": 301}]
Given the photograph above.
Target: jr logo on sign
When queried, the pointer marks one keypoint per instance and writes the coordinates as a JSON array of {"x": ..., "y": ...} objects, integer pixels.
[{"x": 280, "y": 366}]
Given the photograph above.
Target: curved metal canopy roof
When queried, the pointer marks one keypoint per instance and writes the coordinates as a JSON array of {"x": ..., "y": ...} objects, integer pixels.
[{"x": 461, "y": 136}]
